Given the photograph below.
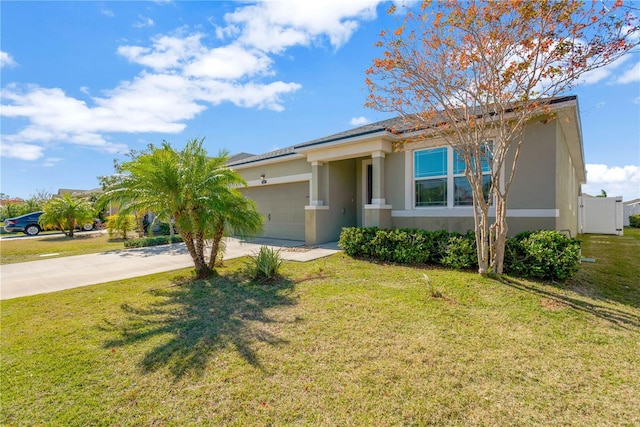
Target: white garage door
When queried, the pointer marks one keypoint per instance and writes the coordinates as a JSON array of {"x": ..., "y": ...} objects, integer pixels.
[{"x": 282, "y": 207}]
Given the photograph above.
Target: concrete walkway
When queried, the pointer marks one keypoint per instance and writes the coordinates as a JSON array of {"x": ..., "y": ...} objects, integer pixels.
[{"x": 50, "y": 275}]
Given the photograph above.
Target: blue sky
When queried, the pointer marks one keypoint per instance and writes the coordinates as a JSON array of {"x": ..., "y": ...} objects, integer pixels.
[{"x": 83, "y": 82}]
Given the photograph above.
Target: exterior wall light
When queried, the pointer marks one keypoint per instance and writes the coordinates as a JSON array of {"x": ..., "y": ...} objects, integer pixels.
[{"x": 262, "y": 179}]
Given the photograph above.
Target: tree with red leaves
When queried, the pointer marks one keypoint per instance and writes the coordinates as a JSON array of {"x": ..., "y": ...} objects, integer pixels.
[{"x": 474, "y": 72}]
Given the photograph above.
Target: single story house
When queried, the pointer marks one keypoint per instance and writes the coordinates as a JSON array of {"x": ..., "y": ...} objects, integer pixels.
[{"x": 359, "y": 177}]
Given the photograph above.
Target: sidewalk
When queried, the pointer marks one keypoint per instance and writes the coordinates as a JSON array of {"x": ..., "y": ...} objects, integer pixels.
[{"x": 50, "y": 275}]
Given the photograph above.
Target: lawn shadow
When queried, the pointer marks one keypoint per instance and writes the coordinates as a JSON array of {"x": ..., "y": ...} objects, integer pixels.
[
  {"x": 194, "y": 320},
  {"x": 621, "y": 318}
]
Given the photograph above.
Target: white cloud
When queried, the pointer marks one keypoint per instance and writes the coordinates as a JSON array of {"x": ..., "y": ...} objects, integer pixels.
[
  {"x": 615, "y": 180},
  {"x": 144, "y": 22},
  {"x": 107, "y": 12},
  {"x": 182, "y": 76},
  {"x": 250, "y": 95},
  {"x": 229, "y": 62},
  {"x": 159, "y": 103},
  {"x": 276, "y": 25},
  {"x": 50, "y": 162},
  {"x": 359, "y": 121},
  {"x": 6, "y": 60},
  {"x": 636, "y": 100},
  {"x": 19, "y": 150},
  {"x": 166, "y": 52},
  {"x": 602, "y": 73},
  {"x": 631, "y": 75}
]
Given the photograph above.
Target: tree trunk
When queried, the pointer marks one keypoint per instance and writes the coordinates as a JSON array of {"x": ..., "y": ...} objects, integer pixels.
[
  {"x": 499, "y": 231},
  {"x": 71, "y": 224},
  {"x": 201, "y": 267},
  {"x": 215, "y": 246},
  {"x": 203, "y": 270},
  {"x": 481, "y": 218}
]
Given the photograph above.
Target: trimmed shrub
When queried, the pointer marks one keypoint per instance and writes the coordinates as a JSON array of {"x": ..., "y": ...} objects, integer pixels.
[
  {"x": 547, "y": 255},
  {"x": 404, "y": 246},
  {"x": 264, "y": 266},
  {"x": 151, "y": 241},
  {"x": 163, "y": 229},
  {"x": 397, "y": 245},
  {"x": 119, "y": 224},
  {"x": 634, "y": 220},
  {"x": 461, "y": 252}
]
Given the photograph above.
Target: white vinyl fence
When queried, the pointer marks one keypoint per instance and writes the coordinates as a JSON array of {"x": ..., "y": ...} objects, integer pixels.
[{"x": 600, "y": 215}]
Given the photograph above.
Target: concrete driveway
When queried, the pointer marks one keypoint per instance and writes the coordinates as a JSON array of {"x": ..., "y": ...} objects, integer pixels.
[{"x": 50, "y": 275}]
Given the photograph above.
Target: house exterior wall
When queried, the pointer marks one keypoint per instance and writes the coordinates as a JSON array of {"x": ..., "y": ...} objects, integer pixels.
[
  {"x": 567, "y": 187},
  {"x": 286, "y": 168},
  {"x": 323, "y": 224},
  {"x": 395, "y": 179},
  {"x": 535, "y": 180},
  {"x": 543, "y": 194},
  {"x": 342, "y": 200},
  {"x": 360, "y": 191},
  {"x": 464, "y": 224}
]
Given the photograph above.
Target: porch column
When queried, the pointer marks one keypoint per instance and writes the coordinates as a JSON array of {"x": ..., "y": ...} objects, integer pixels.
[
  {"x": 377, "y": 196},
  {"x": 317, "y": 213},
  {"x": 317, "y": 184},
  {"x": 377, "y": 214}
]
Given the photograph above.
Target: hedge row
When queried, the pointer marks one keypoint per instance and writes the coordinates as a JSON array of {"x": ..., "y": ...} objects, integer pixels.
[
  {"x": 151, "y": 241},
  {"x": 634, "y": 220},
  {"x": 545, "y": 255}
]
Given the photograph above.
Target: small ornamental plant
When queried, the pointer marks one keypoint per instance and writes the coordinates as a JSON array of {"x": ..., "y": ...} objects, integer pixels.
[{"x": 265, "y": 265}]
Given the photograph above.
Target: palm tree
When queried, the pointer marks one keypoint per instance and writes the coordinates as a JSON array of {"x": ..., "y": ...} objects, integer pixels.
[
  {"x": 32, "y": 205},
  {"x": 66, "y": 213},
  {"x": 197, "y": 192}
]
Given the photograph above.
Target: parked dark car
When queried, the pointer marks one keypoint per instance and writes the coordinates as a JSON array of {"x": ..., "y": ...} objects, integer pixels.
[
  {"x": 27, "y": 223},
  {"x": 90, "y": 226}
]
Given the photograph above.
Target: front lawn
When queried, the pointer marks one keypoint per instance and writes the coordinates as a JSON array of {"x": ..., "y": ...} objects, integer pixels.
[
  {"x": 336, "y": 342},
  {"x": 29, "y": 249}
]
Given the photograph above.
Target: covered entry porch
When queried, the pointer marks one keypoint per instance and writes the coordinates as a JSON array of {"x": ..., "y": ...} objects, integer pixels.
[{"x": 347, "y": 188}]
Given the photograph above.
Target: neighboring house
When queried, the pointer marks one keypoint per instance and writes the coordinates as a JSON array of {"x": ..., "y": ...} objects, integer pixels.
[
  {"x": 78, "y": 193},
  {"x": 111, "y": 209},
  {"x": 630, "y": 208},
  {"x": 362, "y": 177}
]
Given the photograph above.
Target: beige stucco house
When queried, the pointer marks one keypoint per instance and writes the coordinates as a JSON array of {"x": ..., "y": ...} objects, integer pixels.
[{"x": 358, "y": 177}]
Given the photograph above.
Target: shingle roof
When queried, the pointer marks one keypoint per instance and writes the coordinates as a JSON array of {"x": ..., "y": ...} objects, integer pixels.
[
  {"x": 396, "y": 124},
  {"x": 270, "y": 155},
  {"x": 239, "y": 156},
  {"x": 384, "y": 125}
]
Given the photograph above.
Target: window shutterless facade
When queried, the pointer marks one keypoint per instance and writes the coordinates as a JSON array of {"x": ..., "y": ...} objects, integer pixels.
[{"x": 439, "y": 173}]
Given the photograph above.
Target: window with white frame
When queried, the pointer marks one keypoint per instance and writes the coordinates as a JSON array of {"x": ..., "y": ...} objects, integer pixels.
[{"x": 439, "y": 173}]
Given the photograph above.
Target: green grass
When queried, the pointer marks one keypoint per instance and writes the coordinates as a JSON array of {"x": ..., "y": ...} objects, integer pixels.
[
  {"x": 22, "y": 250},
  {"x": 338, "y": 342}
]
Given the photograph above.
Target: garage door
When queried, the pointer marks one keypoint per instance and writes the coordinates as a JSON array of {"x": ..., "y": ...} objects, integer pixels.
[{"x": 282, "y": 207}]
